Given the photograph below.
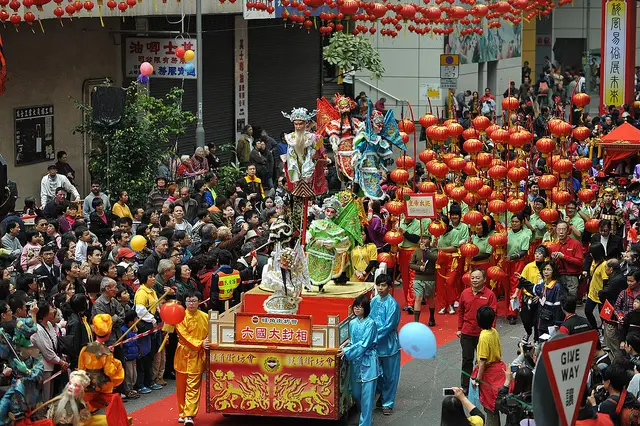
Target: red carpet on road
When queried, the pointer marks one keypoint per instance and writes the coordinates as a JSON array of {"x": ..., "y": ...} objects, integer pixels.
[{"x": 164, "y": 411}]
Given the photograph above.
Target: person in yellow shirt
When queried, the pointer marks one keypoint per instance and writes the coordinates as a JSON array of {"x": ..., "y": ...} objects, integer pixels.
[
  {"x": 190, "y": 358},
  {"x": 364, "y": 260},
  {"x": 598, "y": 275},
  {"x": 530, "y": 303},
  {"x": 454, "y": 407},
  {"x": 145, "y": 302},
  {"x": 489, "y": 372},
  {"x": 120, "y": 208}
]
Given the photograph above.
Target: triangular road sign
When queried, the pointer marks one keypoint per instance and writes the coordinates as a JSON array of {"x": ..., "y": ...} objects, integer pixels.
[{"x": 567, "y": 361}]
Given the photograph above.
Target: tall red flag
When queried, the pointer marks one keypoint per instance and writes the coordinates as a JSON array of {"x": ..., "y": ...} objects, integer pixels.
[
  {"x": 3, "y": 69},
  {"x": 607, "y": 311}
]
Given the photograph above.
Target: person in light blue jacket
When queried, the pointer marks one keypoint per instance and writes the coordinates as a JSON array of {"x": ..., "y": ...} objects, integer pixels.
[
  {"x": 361, "y": 353},
  {"x": 385, "y": 311}
]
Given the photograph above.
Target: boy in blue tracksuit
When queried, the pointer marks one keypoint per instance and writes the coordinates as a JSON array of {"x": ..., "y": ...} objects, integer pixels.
[
  {"x": 131, "y": 353},
  {"x": 385, "y": 311}
]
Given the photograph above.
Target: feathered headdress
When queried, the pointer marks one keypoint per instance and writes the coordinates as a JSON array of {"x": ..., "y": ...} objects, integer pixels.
[
  {"x": 300, "y": 114},
  {"x": 344, "y": 101}
]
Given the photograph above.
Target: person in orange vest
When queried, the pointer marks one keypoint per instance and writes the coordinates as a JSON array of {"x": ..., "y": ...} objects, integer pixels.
[{"x": 224, "y": 282}]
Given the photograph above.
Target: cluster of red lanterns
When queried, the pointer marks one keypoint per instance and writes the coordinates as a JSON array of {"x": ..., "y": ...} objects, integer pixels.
[{"x": 439, "y": 18}]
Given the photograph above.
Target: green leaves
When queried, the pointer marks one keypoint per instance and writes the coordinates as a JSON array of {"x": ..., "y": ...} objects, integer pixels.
[
  {"x": 353, "y": 53},
  {"x": 125, "y": 157}
]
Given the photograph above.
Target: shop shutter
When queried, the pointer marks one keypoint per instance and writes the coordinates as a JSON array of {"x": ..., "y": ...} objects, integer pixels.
[{"x": 285, "y": 71}]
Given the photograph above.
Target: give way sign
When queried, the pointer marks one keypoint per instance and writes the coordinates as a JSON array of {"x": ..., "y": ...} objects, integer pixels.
[{"x": 567, "y": 361}]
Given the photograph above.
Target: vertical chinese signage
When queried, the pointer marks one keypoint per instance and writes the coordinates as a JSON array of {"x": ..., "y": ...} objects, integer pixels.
[
  {"x": 161, "y": 53},
  {"x": 33, "y": 135},
  {"x": 618, "y": 53},
  {"x": 241, "y": 83}
]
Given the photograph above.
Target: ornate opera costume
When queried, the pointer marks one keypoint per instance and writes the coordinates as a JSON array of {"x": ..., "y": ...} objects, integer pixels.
[
  {"x": 71, "y": 408},
  {"x": 371, "y": 147},
  {"x": 27, "y": 364},
  {"x": 341, "y": 129},
  {"x": 106, "y": 373},
  {"x": 386, "y": 313},
  {"x": 306, "y": 160},
  {"x": 364, "y": 369},
  {"x": 189, "y": 361}
]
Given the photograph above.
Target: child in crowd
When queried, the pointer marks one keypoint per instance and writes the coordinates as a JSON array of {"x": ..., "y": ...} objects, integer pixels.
[
  {"x": 131, "y": 353},
  {"x": 83, "y": 236},
  {"x": 361, "y": 353},
  {"x": 385, "y": 311},
  {"x": 124, "y": 298},
  {"x": 30, "y": 258}
]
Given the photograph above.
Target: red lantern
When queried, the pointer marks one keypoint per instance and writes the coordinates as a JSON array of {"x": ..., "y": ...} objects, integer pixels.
[
  {"x": 581, "y": 100},
  {"x": 438, "y": 169},
  {"x": 561, "y": 197},
  {"x": 438, "y": 133},
  {"x": 455, "y": 129},
  {"x": 473, "y": 184},
  {"x": 491, "y": 129},
  {"x": 472, "y": 146},
  {"x": 399, "y": 176},
  {"x": 440, "y": 201},
  {"x": 545, "y": 146},
  {"x": 562, "y": 166},
  {"x": 586, "y": 195},
  {"x": 547, "y": 182},
  {"x": 483, "y": 160},
  {"x": 436, "y": 228},
  {"x": 427, "y": 187},
  {"x": 395, "y": 207},
  {"x": 407, "y": 126},
  {"x": 172, "y": 313},
  {"x": 485, "y": 192},
  {"x": 458, "y": 193},
  {"x": 497, "y": 206},
  {"x": 498, "y": 240},
  {"x": 469, "y": 250},
  {"x": 470, "y": 169},
  {"x": 549, "y": 215},
  {"x": 592, "y": 225},
  {"x": 495, "y": 273},
  {"x": 348, "y": 8},
  {"x": 517, "y": 174},
  {"x": 583, "y": 164},
  {"x": 466, "y": 279},
  {"x": 510, "y": 104},
  {"x": 515, "y": 205},
  {"x": 387, "y": 258},
  {"x": 456, "y": 164},
  {"x": 393, "y": 237},
  {"x": 497, "y": 172},
  {"x": 500, "y": 136},
  {"x": 472, "y": 218},
  {"x": 428, "y": 120},
  {"x": 561, "y": 129},
  {"x": 481, "y": 123},
  {"x": 520, "y": 138},
  {"x": 581, "y": 133},
  {"x": 405, "y": 162},
  {"x": 426, "y": 156},
  {"x": 470, "y": 133}
]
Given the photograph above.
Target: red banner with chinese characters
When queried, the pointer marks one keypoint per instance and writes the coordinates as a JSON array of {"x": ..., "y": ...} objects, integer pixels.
[
  {"x": 284, "y": 383},
  {"x": 273, "y": 329}
]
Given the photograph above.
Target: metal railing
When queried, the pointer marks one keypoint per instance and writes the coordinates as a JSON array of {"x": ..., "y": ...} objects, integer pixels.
[{"x": 371, "y": 86}]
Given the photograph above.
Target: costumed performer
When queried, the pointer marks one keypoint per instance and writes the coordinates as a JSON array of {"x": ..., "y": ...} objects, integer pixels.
[
  {"x": 423, "y": 262},
  {"x": 106, "y": 373},
  {"x": 385, "y": 311},
  {"x": 191, "y": 355},
  {"x": 337, "y": 123},
  {"x": 27, "y": 367},
  {"x": 515, "y": 260},
  {"x": 363, "y": 358},
  {"x": 71, "y": 408},
  {"x": 449, "y": 266},
  {"x": 372, "y": 146},
  {"x": 364, "y": 260}
]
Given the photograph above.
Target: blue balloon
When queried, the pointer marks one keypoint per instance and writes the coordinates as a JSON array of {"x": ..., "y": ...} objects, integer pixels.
[
  {"x": 417, "y": 340},
  {"x": 189, "y": 68},
  {"x": 144, "y": 79}
]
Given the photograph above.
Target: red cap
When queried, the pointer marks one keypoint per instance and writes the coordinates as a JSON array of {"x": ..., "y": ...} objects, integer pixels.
[{"x": 125, "y": 253}]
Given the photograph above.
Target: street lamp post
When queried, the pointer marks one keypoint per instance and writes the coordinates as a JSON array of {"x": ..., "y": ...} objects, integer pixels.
[{"x": 199, "y": 79}]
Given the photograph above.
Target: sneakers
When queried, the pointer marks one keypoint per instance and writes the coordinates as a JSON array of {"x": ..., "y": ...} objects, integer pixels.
[
  {"x": 188, "y": 421},
  {"x": 387, "y": 411},
  {"x": 452, "y": 311},
  {"x": 441, "y": 311},
  {"x": 456, "y": 304},
  {"x": 156, "y": 386},
  {"x": 180, "y": 419},
  {"x": 409, "y": 310},
  {"x": 512, "y": 321},
  {"x": 132, "y": 394},
  {"x": 161, "y": 382},
  {"x": 525, "y": 339},
  {"x": 145, "y": 390},
  {"x": 432, "y": 322}
]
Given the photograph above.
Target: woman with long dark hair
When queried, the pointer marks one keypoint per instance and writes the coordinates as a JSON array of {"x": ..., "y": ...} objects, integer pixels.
[
  {"x": 453, "y": 411},
  {"x": 515, "y": 403}
]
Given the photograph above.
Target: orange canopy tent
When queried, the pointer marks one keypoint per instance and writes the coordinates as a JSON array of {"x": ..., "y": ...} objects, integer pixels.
[{"x": 622, "y": 142}]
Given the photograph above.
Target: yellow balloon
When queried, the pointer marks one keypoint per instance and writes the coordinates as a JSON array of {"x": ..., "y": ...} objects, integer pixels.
[
  {"x": 138, "y": 243},
  {"x": 189, "y": 55}
]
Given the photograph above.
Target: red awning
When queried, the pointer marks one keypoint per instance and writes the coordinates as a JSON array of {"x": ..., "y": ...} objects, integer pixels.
[{"x": 620, "y": 143}]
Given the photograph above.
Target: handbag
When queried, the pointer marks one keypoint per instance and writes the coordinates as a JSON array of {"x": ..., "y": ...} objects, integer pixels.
[{"x": 474, "y": 394}]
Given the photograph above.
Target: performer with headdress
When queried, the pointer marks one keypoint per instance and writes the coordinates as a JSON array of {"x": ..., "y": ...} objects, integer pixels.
[
  {"x": 27, "y": 366},
  {"x": 337, "y": 123},
  {"x": 372, "y": 146},
  {"x": 71, "y": 408},
  {"x": 106, "y": 373},
  {"x": 608, "y": 210}
]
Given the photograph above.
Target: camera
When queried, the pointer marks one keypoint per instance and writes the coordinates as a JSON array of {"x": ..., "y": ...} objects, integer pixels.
[{"x": 601, "y": 395}]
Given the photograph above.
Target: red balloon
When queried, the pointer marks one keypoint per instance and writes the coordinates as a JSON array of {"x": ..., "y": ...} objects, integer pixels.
[
  {"x": 180, "y": 52},
  {"x": 172, "y": 313}
]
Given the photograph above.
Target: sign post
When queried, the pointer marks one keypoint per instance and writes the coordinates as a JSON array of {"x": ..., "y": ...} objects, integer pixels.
[
  {"x": 566, "y": 362},
  {"x": 449, "y": 71},
  {"x": 420, "y": 206}
]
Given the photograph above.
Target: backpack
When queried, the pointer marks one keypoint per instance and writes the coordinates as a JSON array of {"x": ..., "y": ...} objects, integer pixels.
[
  {"x": 543, "y": 88},
  {"x": 626, "y": 416}
]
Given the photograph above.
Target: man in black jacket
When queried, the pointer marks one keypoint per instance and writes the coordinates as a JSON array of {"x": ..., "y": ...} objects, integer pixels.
[
  {"x": 616, "y": 283},
  {"x": 612, "y": 243},
  {"x": 47, "y": 272}
]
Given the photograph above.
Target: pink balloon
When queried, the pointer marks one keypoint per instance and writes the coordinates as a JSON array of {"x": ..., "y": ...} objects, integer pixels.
[{"x": 146, "y": 68}]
